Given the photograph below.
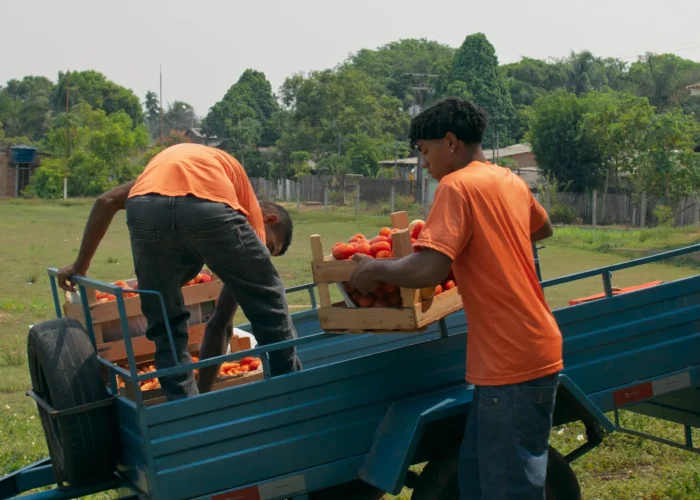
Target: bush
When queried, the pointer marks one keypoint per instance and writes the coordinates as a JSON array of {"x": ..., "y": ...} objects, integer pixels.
[
  {"x": 403, "y": 203},
  {"x": 562, "y": 214},
  {"x": 664, "y": 215}
]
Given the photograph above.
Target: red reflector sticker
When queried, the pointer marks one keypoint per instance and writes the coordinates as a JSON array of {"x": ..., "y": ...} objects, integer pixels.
[
  {"x": 631, "y": 394},
  {"x": 251, "y": 493}
]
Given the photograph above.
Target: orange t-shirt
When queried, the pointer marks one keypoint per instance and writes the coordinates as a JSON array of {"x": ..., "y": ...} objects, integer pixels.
[
  {"x": 482, "y": 219},
  {"x": 204, "y": 172}
]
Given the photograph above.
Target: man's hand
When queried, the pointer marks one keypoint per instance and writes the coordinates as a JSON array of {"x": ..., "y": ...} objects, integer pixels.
[
  {"x": 64, "y": 275},
  {"x": 364, "y": 278}
]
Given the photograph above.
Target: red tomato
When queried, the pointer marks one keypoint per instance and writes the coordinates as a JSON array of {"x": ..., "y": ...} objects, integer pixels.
[
  {"x": 111, "y": 297},
  {"x": 363, "y": 248},
  {"x": 378, "y": 247},
  {"x": 379, "y": 293},
  {"x": 206, "y": 278},
  {"x": 384, "y": 254},
  {"x": 381, "y": 303},
  {"x": 246, "y": 361},
  {"x": 357, "y": 238},
  {"x": 385, "y": 231},
  {"x": 394, "y": 299},
  {"x": 438, "y": 290},
  {"x": 343, "y": 251},
  {"x": 365, "y": 301},
  {"x": 377, "y": 239},
  {"x": 338, "y": 244},
  {"x": 448, "y": 285},
  {"x": 390, "y": 288},
  {"x": 417, "y": 229},
  {"x": 356, "y": 298}
]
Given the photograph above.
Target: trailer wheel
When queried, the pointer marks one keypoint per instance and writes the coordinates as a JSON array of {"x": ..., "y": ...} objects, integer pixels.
[
  {"x": 65, "y": 373},
  {"x": 356, "y": 490},
  {"x": 439, "y": 479}
]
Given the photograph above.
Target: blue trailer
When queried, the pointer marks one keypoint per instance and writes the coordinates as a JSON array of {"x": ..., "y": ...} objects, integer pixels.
[{"x": 364, "y": 409}]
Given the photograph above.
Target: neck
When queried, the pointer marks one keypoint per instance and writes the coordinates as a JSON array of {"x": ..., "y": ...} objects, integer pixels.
[{"x": 472, "y": 152}]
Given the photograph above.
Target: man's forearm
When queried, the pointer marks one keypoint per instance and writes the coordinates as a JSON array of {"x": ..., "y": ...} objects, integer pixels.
[
  {"x": 217, "y": 335},
  {"x": 99, "y": 220},
  {"x": 413, "y": 271}
]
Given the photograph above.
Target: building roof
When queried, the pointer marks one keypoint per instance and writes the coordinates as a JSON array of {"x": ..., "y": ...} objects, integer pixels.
[
  {"x": 198, "y": 132},
  {"x": 517, "y": 149}
]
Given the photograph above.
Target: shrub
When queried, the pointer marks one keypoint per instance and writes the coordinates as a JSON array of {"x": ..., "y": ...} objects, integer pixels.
[{"x": 562, "y": 214}]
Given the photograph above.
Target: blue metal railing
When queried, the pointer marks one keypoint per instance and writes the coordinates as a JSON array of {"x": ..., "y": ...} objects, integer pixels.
[{"x": 131, "y": 375}]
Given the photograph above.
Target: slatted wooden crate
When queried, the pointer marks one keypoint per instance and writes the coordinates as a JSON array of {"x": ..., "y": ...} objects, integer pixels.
[
  {"x": 414, "y": 315},
  {"x": 155, "y": 396},
  {"x": 199, "y": 299}
]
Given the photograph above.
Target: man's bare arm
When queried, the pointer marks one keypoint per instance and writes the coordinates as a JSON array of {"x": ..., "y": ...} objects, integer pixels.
[
  {"x": 427, "y": 268},
  {"x": 98, "y": 222},
  {"x": 543, "y": 233},
  {"x": 217, "y": 335}
]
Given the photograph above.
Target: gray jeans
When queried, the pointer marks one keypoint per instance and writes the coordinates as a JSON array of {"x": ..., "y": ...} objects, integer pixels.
[{"x": 171, "y": 239}]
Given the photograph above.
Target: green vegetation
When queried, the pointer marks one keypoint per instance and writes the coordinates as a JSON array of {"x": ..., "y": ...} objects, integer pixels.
[{"x": 590, "y": 120}]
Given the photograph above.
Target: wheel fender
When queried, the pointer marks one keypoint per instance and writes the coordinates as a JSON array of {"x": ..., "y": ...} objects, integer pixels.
[{"x": 400, "y": 431}]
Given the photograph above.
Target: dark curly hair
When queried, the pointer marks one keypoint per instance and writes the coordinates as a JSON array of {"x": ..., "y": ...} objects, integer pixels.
[
  {"x": 463, "y": 118},
  {"x": 283, "y": 219}
]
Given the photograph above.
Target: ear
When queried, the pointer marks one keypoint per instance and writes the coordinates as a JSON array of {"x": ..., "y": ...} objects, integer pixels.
[
  {"x": 452, "y": 141},
  {"x": 270, "y": 219}
]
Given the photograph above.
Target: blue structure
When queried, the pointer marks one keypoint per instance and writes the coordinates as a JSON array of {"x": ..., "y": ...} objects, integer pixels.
[
  {"x": 366, "y": 407},
  {"x": 23, "y": 154}
]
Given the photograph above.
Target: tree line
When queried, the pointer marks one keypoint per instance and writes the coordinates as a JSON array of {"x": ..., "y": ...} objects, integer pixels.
[{"x": 590, "y": 120}]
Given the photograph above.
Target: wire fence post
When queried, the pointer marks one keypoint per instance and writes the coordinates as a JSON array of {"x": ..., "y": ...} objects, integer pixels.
[
  {"x": 357, "y": 199},
  {"x": 325, "y": 199},
  {"x": 393, "y": 198}
]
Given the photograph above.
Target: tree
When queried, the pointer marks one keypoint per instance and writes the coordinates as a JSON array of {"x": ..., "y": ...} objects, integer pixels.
[
  {"x": 102, "y": 147},
  {"x": 93, "y": 88},
  {"x": 392, "y": 66},
  {"x": 152, "y": 116},
  {"x": 475, "y": 75},
  {"x": 327, "y": 112},
  {"x": 560, "y": 144},
  {"x": 180, "y": 116},
  {"x": 662, "y": 79},
  {"x": 250, "y": 97}
]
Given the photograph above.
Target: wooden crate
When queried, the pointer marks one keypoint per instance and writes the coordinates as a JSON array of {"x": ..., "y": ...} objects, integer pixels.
[
  {"x": 199, "y": 299},
  {"x": 155, "y": 396},
  {"x": 414, "y": 315}
]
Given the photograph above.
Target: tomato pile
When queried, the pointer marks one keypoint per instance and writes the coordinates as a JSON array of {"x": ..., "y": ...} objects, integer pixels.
[
  {"x": 382, "y": 247},
  {"x": 245, "y": 365},
  {"x": 379, "y": 247},
  {"x": 108, "y": 297}
]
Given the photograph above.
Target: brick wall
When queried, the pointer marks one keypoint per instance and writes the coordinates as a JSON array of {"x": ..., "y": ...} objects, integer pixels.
[
  {"x": 525, "y": 160},
  {"x": 7, "y": 177}
]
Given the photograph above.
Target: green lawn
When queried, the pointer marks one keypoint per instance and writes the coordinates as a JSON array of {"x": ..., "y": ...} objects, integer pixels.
[{"x": 37, "y": 235}]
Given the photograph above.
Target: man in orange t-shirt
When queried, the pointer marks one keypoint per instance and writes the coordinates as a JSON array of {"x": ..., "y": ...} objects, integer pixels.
[
  {"x": 194, "y": 205},
  {"x": 482, "y": 225}
]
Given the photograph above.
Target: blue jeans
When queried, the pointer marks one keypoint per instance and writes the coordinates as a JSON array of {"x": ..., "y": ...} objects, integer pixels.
[
  {"x": 504, "y": 452},
  {"x": 171, "y": 239}
]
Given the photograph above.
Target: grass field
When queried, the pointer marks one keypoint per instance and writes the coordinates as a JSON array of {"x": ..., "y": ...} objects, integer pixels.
[{"x": 37, "y": 235}]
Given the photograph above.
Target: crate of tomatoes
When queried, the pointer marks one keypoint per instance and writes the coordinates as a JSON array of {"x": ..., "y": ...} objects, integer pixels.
[
  {"x": 389, "y": 308},
  {"x": 200, "y": 295},
  {"x": 230, "y": 374}
]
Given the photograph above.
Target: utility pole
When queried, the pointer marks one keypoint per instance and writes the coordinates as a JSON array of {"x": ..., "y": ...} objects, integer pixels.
[
  {"x": 420, "y": 87},
  {"x": 160, "y": 96}
]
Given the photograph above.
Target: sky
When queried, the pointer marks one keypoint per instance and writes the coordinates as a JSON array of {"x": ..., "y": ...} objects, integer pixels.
[{"x": 204, "y": 46}]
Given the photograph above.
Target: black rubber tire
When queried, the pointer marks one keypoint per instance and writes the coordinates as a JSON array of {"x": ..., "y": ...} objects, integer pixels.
[
  {"x": 65, "y": 372},
  {"x": 438, "y": 481}
]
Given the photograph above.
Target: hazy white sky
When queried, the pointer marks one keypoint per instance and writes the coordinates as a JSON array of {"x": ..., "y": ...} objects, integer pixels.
[{"x": 205, "y": 45}]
